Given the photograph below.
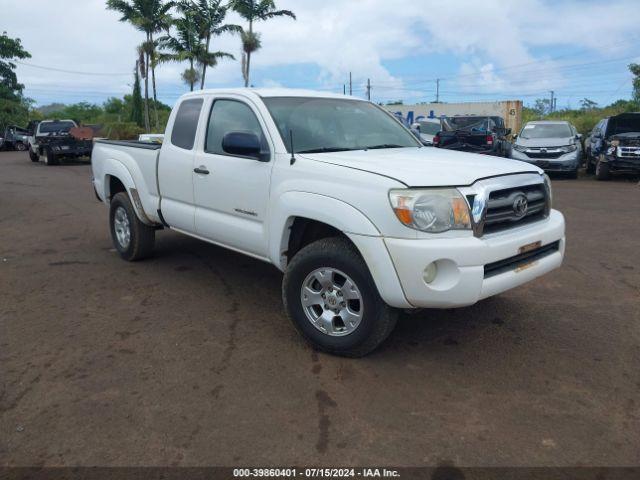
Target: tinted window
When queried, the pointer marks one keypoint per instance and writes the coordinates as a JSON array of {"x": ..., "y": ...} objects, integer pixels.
[
  {"x": 184, "y": 129},
  {"x": 231, "y": 116}
]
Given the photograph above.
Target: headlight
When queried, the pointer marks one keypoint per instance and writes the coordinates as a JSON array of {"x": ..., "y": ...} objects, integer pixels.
[
  {"x": 569, "y": 148},
  {"x": 520, "y": 148},
  {"x": 431, "y": 210},
  {"x": 547, "y": 184}
]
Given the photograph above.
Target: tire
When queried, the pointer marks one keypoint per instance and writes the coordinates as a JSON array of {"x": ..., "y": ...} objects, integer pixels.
[
  {"x": 603, "y": 171},
  {"x": 21, "y": 147},
  {"x": 33, "y": 156},
  {"x": 341, "y": 263},
  {"x": 132, "y": 239},
  {"x": 50, "y": 158}
]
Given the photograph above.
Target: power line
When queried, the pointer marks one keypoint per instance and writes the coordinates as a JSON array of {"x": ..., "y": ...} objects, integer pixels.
[{"x": 73, "y": 72}]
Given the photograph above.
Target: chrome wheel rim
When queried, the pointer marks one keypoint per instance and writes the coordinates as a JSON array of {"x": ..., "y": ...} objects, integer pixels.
[
  {"x": 332, "y": 302},
  {"x": 122, "y": 227}
]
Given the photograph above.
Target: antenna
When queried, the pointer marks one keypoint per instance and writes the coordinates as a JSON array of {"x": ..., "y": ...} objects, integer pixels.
[{"x": 293, "y": 157}]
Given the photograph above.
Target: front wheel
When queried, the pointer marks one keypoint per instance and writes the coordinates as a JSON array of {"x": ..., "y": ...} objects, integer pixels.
[
  {"x": 331, "y": 299},
  {"x": 21, "y": 147},
  {"x": 133, "y": 239},
  {"x": 51, "y": 158},
  {"x": 33, "y": 156},
  {"x": 603, "y": 171}
]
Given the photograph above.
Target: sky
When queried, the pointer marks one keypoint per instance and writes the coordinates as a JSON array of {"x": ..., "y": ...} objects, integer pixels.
[{"x": 480, "y": 51}]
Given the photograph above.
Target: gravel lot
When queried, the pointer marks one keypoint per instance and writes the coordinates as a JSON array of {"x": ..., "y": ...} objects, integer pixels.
[{"x": 187, "y": 359}]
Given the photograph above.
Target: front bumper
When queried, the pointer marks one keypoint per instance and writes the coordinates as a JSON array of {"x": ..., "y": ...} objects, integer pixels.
[
  {"x": 623, "y": 164},
  {"x": 565, "y": 163},
  {"x": 461, "y": 279}
]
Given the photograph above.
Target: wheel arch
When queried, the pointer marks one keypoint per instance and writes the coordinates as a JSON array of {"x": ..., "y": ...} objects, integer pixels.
[{"x": 118, "y": 179}]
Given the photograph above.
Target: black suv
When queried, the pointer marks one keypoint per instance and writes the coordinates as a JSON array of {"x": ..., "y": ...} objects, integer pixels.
[
  {"x": 474, "y": 133},
  {"x": 614, "y": 146}
]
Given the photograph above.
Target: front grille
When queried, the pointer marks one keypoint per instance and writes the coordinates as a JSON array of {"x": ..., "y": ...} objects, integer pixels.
[
  {"x": 501, "y": 211},
  {"x": 518, "y": 261},
  {"x": 629, "y": 152},
  {"x": 542, "y": 153}
]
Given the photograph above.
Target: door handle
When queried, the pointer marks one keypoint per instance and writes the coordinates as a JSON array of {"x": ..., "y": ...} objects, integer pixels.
[{"x": 201, "y": 170}]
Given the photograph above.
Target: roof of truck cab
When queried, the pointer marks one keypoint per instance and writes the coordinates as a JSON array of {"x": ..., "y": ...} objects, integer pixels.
[{"x": 270, "y": 92}]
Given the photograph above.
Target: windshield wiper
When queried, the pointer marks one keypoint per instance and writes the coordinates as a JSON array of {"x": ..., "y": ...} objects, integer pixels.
[
  {"x": 383, "y": 145},
  {"x": 325, "y": 150}
]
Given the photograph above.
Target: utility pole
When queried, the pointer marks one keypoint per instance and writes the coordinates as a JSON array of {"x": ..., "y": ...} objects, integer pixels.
[
  {"x": 369, "y": 89},
  {"x": 344, "y": 89},
  {"x": 350, "y": 85},
  {"x": 551, "y": 104},
  {"x": 437, "y": 90}
]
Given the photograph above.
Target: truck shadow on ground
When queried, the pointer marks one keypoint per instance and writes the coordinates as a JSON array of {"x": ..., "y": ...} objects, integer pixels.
[{"x": 247, "y": 276}]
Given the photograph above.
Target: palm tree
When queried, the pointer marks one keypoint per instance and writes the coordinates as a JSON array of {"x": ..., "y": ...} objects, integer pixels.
[
  {"x": 185, "y": 45},
  {"x": 210, "y": 15},
  {"x": 150, "y": 17},
  {"x": 254, "y": 11}
]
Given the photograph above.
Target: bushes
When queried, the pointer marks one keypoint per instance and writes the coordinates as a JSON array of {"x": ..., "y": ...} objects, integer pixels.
[
  {"x": 121, "y": 131},
  {"x": 584, "y": 120}
]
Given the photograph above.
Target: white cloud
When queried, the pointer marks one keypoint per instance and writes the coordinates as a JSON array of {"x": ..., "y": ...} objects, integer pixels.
[{"x": 486, "y": 39}]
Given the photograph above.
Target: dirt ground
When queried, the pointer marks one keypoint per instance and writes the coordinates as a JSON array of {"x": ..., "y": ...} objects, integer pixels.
[{"x": 187, "y": 358}]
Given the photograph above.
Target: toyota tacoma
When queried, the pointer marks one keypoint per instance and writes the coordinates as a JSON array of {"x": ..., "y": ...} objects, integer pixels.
[{"x": 362, "y": 219}]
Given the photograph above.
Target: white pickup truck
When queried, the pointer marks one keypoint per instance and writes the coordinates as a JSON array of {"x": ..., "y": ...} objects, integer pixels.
[{"x": 362, "y": 219}]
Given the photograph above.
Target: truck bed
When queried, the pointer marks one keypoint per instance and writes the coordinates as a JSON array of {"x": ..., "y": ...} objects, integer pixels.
[{"x": 132, "y": 144}]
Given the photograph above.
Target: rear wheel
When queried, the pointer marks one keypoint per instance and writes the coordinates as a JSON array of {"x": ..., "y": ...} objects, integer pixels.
[
  {"x": 603, "y": 171},
  {"x": 133, "y": 239},
  {"x": 331, "y": 299},
  {"x": 21, "y": 147}
]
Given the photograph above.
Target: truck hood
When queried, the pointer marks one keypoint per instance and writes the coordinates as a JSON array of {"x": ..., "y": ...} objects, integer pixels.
[
  {"x": 425, "y": 167},
  {"x": 545, "y": 142}
]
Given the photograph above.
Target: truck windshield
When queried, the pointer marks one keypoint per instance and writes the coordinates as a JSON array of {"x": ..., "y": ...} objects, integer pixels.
[
  {"x": 546, "y": 130},
  {"x": 48, "y": 127},
  {"x": 452, "y": 124},
  {"x": 329, "y": 125}
]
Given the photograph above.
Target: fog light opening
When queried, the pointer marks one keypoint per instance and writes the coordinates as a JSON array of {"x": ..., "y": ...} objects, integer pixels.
[{"x": 430, "y": 273}]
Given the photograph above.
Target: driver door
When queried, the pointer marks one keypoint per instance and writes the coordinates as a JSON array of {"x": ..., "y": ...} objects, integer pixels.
[{"x": 231, "y": 192}]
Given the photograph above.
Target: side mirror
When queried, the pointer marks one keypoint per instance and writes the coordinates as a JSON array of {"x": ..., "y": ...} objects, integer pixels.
[
  {"x": 578, "y": 136},
  {"x": 515, "y": 136},
  {"x": 243, "y": 144},
  {"x": 415, "y": 126}
]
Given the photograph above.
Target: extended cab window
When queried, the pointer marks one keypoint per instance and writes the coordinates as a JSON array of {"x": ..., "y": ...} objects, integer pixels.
[
  {"x": 183, "y": 134},
  {"x": 231, "y": 116}
]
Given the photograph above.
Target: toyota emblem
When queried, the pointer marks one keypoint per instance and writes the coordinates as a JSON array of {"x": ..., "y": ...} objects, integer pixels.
[{"x": 520, "y": 205}]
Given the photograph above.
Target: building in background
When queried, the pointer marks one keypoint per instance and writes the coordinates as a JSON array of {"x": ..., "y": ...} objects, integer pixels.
[{"x": 510, "y": 110}]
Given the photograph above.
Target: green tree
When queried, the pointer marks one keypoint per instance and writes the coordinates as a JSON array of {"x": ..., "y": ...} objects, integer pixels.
[
  {"x": 150, "y": 17},
  {"x": 184, "y": 46},
  {"x": 14, "y": 108},
  {"x": 209, "y": 16},
  {"x": 634, "y": 68},
  {"x": 586, "y": 104},
  {"x": 254, "y": 11},
  {"x": 136, "y": 100}
]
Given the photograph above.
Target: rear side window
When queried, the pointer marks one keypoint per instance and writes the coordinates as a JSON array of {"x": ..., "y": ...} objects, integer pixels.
[
  {"x": 231, "y": 116},
  {"x": 183, "y": 134}
]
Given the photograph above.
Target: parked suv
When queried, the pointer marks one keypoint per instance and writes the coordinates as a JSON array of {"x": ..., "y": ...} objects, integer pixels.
[
  {"x": 554, "y": 146},
  {"x": 614, "y": 146},
  {"x": 473, "y": 133}
]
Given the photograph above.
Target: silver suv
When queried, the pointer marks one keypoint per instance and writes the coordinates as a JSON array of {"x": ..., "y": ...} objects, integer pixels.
[{"x": 554, "y": 146}]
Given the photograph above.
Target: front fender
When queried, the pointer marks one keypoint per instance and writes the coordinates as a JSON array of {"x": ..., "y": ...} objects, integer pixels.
[{"x": 350, "y": 221}]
